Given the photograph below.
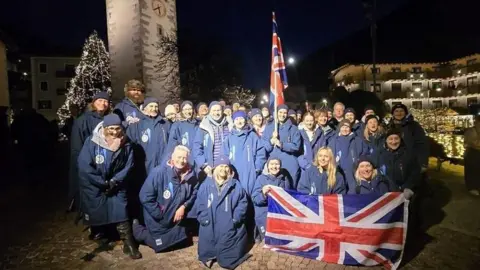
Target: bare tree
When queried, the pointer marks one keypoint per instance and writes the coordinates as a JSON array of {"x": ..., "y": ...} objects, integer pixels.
[
  {"x": 239, "y": 94},
  {"x": 167, "y": 66}
]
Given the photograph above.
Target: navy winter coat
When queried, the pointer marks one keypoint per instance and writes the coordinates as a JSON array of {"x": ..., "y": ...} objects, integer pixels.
[
  {"x": 247, "y": 156},
  {"x": 291, "y": 142},
  {"x": 316, "y": 183},
  {"x": 378, "y": 185},
  {"x": 126, "y": 108},
  {"x": 81, "y": 130},
  {"x": 310, "y": 148},
  {"x": 400, "y": 167},
  {"x": 183, "y": 133},
  {"x": 152, "y": 135},
  {"x": 260, "y": 201},
  {"x": 374, "y": 143},
  {"x": 357, "y": 128},
  {"x": 222, "y": 234},
  {"x": 328, "y": 133},
  {"x": 161, "y": 195},
  {"x": 346, "y": 150},
  {"x": 96, "y": 165}
]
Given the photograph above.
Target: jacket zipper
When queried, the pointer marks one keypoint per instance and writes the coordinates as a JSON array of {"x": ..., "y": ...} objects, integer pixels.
[{"x": 248, "y": 153}]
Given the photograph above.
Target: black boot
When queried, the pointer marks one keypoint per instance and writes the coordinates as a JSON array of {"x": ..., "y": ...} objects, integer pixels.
[{"x": 130, "y": 247}]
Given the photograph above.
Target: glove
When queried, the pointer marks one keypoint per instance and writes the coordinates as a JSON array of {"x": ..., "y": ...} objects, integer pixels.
[
  {"x": 408, "y": 193},
  {"x": 112, "y": 188}
]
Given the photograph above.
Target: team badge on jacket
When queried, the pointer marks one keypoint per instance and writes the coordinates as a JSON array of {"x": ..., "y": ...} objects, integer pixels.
[
  {"x": 99, "y": 159},
  {"x": 144, "y": 138},
  {"x": 167, "y": 194},
  {"x": 185, "y": 139}
]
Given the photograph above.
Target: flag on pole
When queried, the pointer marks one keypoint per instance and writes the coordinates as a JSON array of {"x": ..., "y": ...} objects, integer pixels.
[
  {"x": 342, "y": 229},
  {"x": 278, "y": 74}
]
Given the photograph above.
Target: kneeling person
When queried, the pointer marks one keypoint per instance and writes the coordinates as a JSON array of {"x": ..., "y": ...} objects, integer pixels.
[{"x": 167, "y": 195}]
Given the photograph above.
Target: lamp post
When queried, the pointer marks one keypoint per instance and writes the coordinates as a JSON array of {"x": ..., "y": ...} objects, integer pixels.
[{"x": 370, "y": 7}]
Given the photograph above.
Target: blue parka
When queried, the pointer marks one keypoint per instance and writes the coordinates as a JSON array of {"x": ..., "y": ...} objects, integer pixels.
[
  {"x": 152, "y": 135},
  {"x": 247, "y": 155},
  {"x": 315, "y": 183},
  {"x": 291, "y": 142},
  {"x": 310, "y": 148},
  {"x": 222, "y": 234},
  {"x": 183, "y": 133},
  {"x": 126, "y": 108},
  {"x": 374, "y": 143},
  {"x": 81, "y": 130},
  {"x": 328, "y": 133},
  {"x": 161, "y": 195},
  {"x": 378, "y": 185},
  {"x": 204, "y": 140},
  {"x": 347, "y": 150},
  {"x": 96, "y": 165},
  {"x": 260, "y": 201},
  {"x": 357, "y": 128}
]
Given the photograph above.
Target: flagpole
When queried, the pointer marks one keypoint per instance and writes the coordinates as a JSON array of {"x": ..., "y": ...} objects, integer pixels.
[{"x": 275, "y": 103}]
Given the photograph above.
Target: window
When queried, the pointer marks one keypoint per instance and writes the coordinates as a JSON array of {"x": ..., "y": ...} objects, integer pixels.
[
  {"x": 437, "y": 86},
  {"x": 396, "y": 103},
  {"x": 396, "y": 87},
  {"x": 471, "y": 61},
  {"x": 159, "y": 30},
  {"x": 452, "y": 103},
  {"x": 452, "y": 84},
  {"x": 416, "y": 69},
  {"x": 416, "y": 104},
  {"x": 396, "y": 69},
  {"x": 472, "y": 100},
  {"x": 42, "y": 68},
  {"x": 436, "y": 68},
  {"x": 44, "y": 86},
  {"x": 417, "y": 87},
  {"x": 377, "y": 88},
  {"x": 437, "y": 103},
  {"x": 44, "y": 104},
  {"x": 376, "y": 70},
  {"x": 472, "y": 81}
]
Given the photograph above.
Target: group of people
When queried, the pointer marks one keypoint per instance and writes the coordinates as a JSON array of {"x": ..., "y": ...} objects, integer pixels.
[{"x": 151, "y": 175}]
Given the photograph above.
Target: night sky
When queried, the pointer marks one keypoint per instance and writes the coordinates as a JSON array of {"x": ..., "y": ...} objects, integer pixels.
[{"x": 244, "y": 25}]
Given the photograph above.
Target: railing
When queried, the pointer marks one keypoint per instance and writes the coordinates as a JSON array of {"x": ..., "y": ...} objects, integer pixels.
[
  {"x": 395, "y": 76},
  {"x": 395, "y": 94},
  {"x": 442, "y": 73}
]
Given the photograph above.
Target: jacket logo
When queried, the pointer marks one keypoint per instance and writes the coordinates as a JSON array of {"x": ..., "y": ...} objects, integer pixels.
[
  {"x": 146, "y": 135},
  {"x": 158, "y": 242},
  {"x": 185, "y": 139},
  {"x": 210, "y": 200},
  {"x": 339, "y": 155},
  {"x": 232, "y": 153},
  {"x": 99, "y": 159},
  {"x": 167, "y": 194}
]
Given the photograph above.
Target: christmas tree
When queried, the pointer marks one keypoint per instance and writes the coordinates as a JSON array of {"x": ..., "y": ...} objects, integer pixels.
[{"x": 91, "y": 76}]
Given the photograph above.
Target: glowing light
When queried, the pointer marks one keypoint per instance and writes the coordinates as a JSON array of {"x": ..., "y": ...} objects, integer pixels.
[
  {"x": 417, "y": 89},
  {"x": 411, "y": 75},
  {"x": 458, "y": 72},
  {"x": 25, "y": 73},
  {"x": 421, "y": 75},
  {"x": 439, "y": 89},
  {"x": 324, "y": 101},
  {"x": 291, "y": 60}
]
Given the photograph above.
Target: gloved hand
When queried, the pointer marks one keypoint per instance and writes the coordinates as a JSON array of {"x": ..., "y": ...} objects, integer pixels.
[
  {"x": 112, "y": 188},
  {"x": 408, "y": 193}
]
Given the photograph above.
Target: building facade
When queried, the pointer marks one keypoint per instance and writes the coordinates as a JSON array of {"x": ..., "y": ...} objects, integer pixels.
[
  {"x": 455, "y": 83},
  {"x": 134, "y": 29},
  {"x": 50, "y": 78}
]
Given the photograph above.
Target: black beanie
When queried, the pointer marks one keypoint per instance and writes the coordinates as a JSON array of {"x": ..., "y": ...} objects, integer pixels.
[{"x": 396, "y": 106}]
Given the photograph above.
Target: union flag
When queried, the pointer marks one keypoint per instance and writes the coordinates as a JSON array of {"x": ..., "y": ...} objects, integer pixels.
[{"x": 278, "y": 73}]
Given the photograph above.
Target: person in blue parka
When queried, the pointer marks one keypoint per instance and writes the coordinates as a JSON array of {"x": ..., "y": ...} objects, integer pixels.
[
  {"x": 323, "y": 177},
  {"x": 221, "y": 210},
  {"x": 151, "y": 133},
  {"x": 104, "y": 164},
  {"x": 347, "y": 148},
  {"x": 167, "y": 196},
  {"x": 357, "y": 126},
  {"x": 129, "y": 108},
  {"x": 273, "y": 177},
  {"x": 245, "y": 151},
  {"x": 373, "y": 134},
  {"x": 286, "y": 143},
  {"x": 312, "y": 138},
  {"x": 369, "y": 179},
  {"x": 211, "y": 134},
  {"x": 81, "y": 130},
  {"x": 322, "y": 122},
  {"x": 183, "y": 131}
]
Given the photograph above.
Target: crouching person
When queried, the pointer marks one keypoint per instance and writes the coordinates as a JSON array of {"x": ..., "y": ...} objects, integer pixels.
[
  {"x": 263, "y": 185},
  {"x": 167, "y": 195},
  {"x": 221, "y": 210},
  {"x": 104, "y": 164}
]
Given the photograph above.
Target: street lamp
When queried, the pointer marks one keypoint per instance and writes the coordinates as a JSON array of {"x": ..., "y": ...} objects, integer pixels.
[
  {"x": 324, "y": 101},
  {"x": 25, "y": 73},
  {"x": 261, "y": 102},
  {"x": 291, "y": 60}
]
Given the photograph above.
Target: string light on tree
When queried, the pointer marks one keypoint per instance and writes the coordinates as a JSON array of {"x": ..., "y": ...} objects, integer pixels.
[{"x": 91, "y": 76}]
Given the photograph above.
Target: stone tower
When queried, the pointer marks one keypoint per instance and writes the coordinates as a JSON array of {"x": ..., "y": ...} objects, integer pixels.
[{"x": 135, "y": 28}]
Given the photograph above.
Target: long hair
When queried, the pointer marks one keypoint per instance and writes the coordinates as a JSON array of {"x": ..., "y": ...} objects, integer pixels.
[
  {"x": 331, "y": 167},
  {"x": 358, "y": 179},
  {"x": 366, "y": 132}
]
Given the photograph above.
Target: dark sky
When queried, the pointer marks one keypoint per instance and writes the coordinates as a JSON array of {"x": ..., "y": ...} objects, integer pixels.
[{"x": 245, "y": 25}]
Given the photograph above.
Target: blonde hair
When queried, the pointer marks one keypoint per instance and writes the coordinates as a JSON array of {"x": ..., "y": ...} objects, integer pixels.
[
  {"x": 366, "y": 132},
  {"x": 358, "y": 179},
  {"x": 331, "y": 167}
]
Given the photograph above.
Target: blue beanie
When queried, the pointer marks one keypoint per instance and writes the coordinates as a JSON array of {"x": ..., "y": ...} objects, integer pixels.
[
  {"x": 227, "y": 107},
  {"x": 368, "y": 159},
  {"x": 299, "y": 112},
  {"x": 265, "y": 106},
  {"x": 186, "y": 102},
  {"x": 239, "y": 114},
  {"x": 200, "y": 104},
  {"x": 222, "y": 160},
  {"x": 255, "y": 111},
  {"x": 274, "y": 157},
  {"x": 292, "y": 112},
  {"x": 282, "y": 107},
  {"x": 350, "y": 110},
  {"x": 101, "y": 95},
  {"x": 111, "y": 120},
  {"x": 149, "y": 100},
  {"x": 213, "y": 103}
]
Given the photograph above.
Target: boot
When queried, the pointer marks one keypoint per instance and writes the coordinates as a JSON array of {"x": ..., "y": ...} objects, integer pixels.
[{"x": 130, "y": 247}]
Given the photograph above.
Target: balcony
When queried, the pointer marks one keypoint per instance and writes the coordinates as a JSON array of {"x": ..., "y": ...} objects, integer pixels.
[
  {"x": 466, "y": 69},
  {"x": 395, "y": 76},
  {"x": 423, "y": 93},
  {"x": 395, "y": 94},
  {"x": 439, "y": 74},
  {"x": 65, "y": 73},
  {"x": 416, "y": 76}
]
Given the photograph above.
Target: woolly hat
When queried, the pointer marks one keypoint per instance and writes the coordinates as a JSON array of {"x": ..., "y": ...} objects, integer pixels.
[
  {"x": 227, "y": 107},
  {"x": 111, "y": 120},
  {"x": 292, "y": 112},
  {"x": 368, "y": 108},
  {"x": 396, "y": 106},
  {"x": 170, "y": 109},
  {"x": 299, "y": 112},
  {"x": 282, "y": 107},
  {"x": 222, "y": 160},
  {"x": 213, "y": 103},
  {"x": 274, "y": 157},
  {"x": 368, "y": 159},
  {"x": 255, "y": 111},
  {"x": 199, "y": 105},
  {"x": 393, "y": 131},
  {"x": 239, "y": 114},
  {"x": 265, "y": 107},
  {"x": 350, "y": 110},
  {"x": 186, "y": 102},
  {"x": 371, "y": 116},
  {"x": 344, "y": 122},
  {"x": 149, "y": 100},
  {"x": 101, "y": 95}
]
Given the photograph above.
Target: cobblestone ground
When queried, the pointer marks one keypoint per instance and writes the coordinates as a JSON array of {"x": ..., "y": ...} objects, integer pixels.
[{"x": 37, "y": 234}]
